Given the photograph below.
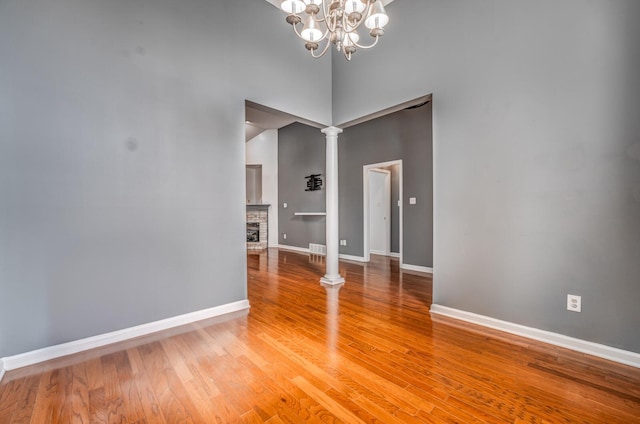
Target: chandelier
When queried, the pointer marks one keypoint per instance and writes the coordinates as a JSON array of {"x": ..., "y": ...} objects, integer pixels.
[{"x": 336, "y": 22}]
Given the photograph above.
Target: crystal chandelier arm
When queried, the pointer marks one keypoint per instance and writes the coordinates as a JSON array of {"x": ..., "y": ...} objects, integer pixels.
[
  {"x": 325, "y": 12},
  {"x": 324, "y": 50},
  {"x": 360, "y": 21},
  {"x": 369, "y": 46}
]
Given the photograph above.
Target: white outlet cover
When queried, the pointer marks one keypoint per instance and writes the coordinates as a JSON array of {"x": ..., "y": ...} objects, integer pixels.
[
  {"x": 574, "y": 303},
  {"x": 412, "y": 200},
  {"x": 284, "y": 205}
]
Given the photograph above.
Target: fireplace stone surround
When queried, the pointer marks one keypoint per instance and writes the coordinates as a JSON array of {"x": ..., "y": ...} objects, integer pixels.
[{"x": 257, "y": 219}]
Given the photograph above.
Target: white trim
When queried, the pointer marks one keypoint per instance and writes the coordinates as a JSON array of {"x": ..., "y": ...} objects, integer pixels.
[
  {"x": 394, "y": 254},
  {"x": 2, "y": 370},
  {"x": 377, "y": 252},
  {"x": 365, "y": 204},
  {"x": 53, "y": 352},
  {"x": 310, "y": 213},
  {"x": 352, "y": 258},
  {"x": 294, "y": 248},
  {"x": 335, "y": 281},
  {"x": 595, "y": 349},
  {"x": 418, "y": 268},
  {"x": 305, "y": 250}
]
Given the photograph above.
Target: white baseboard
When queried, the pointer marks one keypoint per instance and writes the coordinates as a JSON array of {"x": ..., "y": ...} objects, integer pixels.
[
  {"x": 394, "y": 254},
  {"x": 418, "y": 268},
  {"x": 53, "y": 352},
  {"x": 351, "y": 258},
  {"x": 2, "y": 370},
  {"x": 595, "y": 349},
  {"x": 293, "y": 248},
  {"x": 306, "y": 250}
]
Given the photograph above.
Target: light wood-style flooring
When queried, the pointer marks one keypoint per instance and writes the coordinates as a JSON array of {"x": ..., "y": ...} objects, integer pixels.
[{"x": 367, "y": 352}]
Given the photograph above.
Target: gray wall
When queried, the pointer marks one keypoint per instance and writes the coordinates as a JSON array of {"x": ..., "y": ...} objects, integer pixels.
[
  {"x": 122, "y": 157},
  {"x": 402, "y": 135},
  {"x": 301, "y": 152},
  {"x": 536, "y": 145}
]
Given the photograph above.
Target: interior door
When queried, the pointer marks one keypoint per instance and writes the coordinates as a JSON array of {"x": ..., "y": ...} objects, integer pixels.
[{"x": 379, "y": 211}]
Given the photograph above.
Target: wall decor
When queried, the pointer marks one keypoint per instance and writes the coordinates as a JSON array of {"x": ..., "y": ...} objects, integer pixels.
[{"x": 314, "y": 182}]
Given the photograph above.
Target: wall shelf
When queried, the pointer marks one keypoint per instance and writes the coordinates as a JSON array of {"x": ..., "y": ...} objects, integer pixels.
[{"x": 310, "y": 213}]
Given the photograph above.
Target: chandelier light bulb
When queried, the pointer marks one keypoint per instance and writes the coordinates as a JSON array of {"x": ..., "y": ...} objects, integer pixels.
[
  {"x": 377, "y": 16},
  {"x": 351, "y": 6},
  {"x": 311, "y": 31},
  {"x": 351, "y": 38},
  {"x": 293, "y": 6}
]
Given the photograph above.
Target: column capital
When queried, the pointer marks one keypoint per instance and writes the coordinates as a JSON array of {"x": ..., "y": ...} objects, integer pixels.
[{"x": 331, "y": 130}]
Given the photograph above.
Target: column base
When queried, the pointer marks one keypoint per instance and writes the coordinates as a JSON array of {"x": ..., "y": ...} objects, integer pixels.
[{"x": 332, "y": 280}]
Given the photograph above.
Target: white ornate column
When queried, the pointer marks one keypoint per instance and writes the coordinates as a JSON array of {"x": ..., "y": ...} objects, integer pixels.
[{"x": 332, "y": 275}]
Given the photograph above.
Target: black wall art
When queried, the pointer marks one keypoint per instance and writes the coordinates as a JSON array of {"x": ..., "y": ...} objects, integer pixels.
[{"x": 314, "y": 182}]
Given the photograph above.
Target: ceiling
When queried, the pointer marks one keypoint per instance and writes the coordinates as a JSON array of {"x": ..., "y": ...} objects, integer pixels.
[{"x": 259, "y": 118}]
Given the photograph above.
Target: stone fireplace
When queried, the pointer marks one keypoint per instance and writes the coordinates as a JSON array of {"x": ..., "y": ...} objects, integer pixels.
[{"x": 257, "y": 227}]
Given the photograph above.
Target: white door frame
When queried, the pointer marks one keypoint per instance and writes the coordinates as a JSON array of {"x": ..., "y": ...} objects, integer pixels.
[{"x": 365, "y": 204}]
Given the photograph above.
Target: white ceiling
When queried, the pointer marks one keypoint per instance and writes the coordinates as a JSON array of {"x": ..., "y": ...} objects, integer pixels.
[{"x": 258, "y": 120}]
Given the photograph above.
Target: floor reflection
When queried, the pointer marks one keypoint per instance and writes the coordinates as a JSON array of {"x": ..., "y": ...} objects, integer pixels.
[{"x": 333, "y": 321}]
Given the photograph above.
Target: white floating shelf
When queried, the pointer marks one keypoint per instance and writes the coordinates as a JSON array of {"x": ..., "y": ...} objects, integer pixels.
[{"x": 310, "y": 213}]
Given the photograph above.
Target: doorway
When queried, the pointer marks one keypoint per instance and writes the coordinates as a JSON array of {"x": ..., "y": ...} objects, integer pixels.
[{"x": 381, "y": 224}]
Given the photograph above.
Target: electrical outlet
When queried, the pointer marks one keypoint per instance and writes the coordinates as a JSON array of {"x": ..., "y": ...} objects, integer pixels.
[
  {"x": 284, "y": 205},
  {"x": 343, "y": 242},
  {"x": 284, "y": 236},
  {"x": 574, "y": 303}
]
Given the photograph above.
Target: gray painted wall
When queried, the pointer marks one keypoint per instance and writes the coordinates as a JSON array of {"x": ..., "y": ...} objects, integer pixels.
[
  {"x": 402, "y": 135},
  {"x": 537, "y": 153},
  {"x": 301, "y": 152},
  {"x": 122, "y": 157}
]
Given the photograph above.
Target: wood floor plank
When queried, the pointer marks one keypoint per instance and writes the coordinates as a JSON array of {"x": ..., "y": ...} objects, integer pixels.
[
  {"x": 337, "y": 410},
  {"x": 97, "y": 410},
  {"x": 113, "y": 396},
  {"x": 79, "y": 394},
  {"x": 367, "y": 352},
  {"x": 10, "y": 395},
  {"x": 24, "y": 409},
  {"x": 46, "y": 407},
  {"x": 148, "y": 399}
]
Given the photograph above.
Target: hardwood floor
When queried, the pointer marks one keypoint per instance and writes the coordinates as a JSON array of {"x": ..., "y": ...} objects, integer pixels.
[{"x": 367, "y": 352}]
